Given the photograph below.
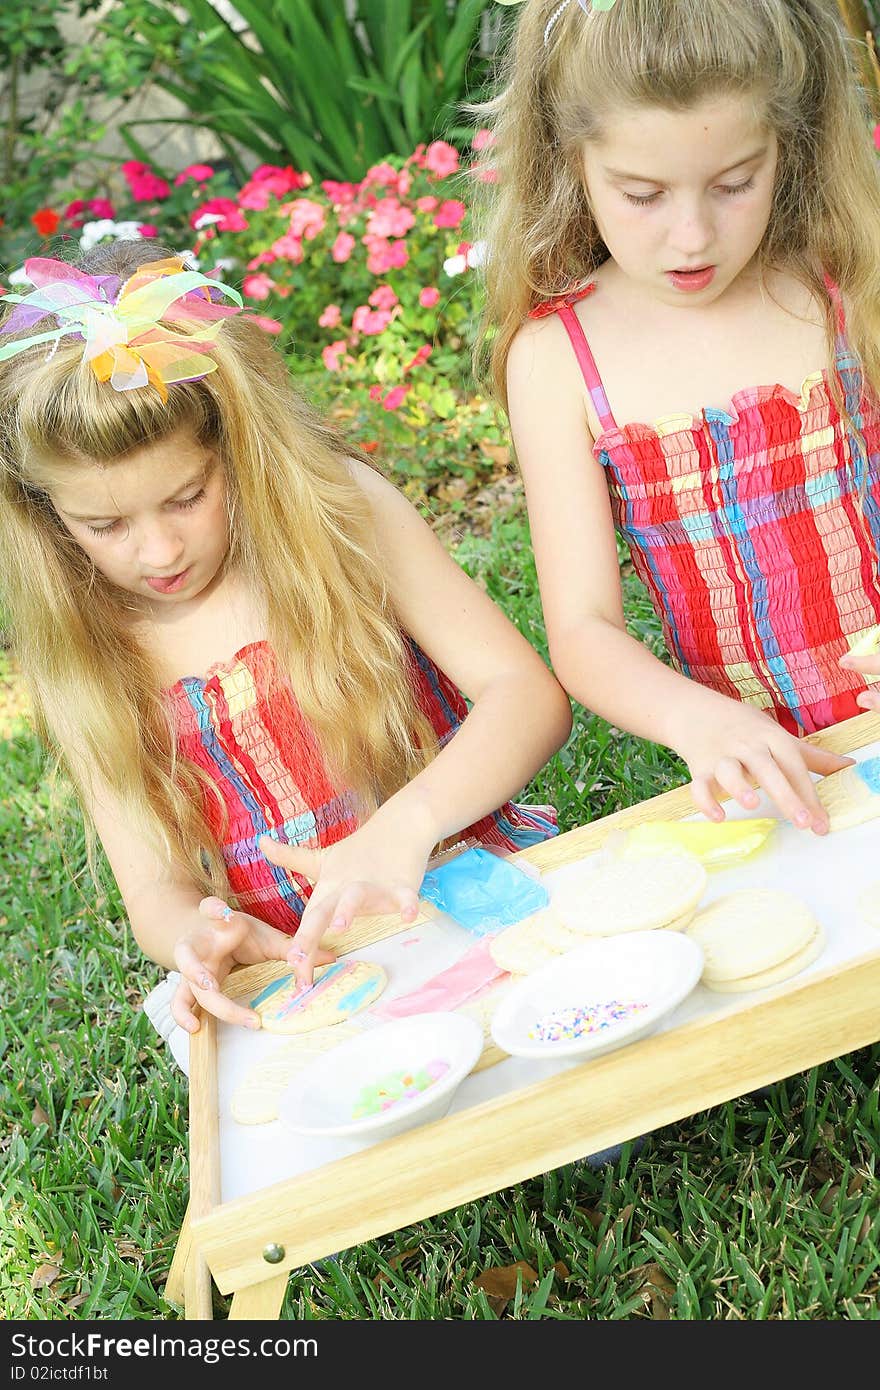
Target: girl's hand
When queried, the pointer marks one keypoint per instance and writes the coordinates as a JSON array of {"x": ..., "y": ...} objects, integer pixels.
[
  {"x": 866, "y": 666},
  {"x": 207, "y": 953},
  {"x": 375, "y": 870},
  {"x": 746, "y": 748}
]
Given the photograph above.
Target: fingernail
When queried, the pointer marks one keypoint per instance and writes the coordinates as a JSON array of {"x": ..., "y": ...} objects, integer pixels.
[
  {"x": 338, "y": 922},
  {"x": 294, "y": 954},
  {"x": 255, "y": 1022},
  {"x": 846, "y": 661},
  {"x": 803, "y": 818},
  {"x": 206, "y": 982}
]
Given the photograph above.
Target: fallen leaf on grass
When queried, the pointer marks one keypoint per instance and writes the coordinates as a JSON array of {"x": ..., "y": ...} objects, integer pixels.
[
  {"x": 129, "y": 1250},
  {"x": 398, "y": 1261},
  {"x": 44, "y": 1275},
  {"x": 39, "y": 1117},
  {"x": 500, "y": 1284},
  {"x": 656, "y": 1288}
]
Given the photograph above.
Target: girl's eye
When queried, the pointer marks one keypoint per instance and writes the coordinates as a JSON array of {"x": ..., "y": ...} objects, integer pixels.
[
  {"x": 641, "y": 201},
  {"x": 733, "y": 188},
  {"x": 103, "y": 530},
  {"x": 191, "y": 501}
]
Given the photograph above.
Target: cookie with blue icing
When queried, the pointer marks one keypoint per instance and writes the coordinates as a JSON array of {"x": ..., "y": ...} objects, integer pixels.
[
  {"x": 851, "y": 796},
  {"x": 338, "y": 991}
]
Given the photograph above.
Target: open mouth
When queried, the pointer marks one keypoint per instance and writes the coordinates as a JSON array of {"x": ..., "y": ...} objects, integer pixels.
[
  {"x": 169, "y": 584},
  {"x": 696, "y": 279}
]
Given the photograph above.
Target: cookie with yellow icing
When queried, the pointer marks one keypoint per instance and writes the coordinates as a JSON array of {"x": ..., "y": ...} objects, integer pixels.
[{"x": 339, "y": 990}]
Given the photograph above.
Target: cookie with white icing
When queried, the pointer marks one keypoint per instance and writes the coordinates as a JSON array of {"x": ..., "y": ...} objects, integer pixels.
[
  {"x": 529, "y": 944},
  {"x": 339, "y": 990},
  {"x": 755, "y": 937},
  {"x": 255, "y": 1099}
]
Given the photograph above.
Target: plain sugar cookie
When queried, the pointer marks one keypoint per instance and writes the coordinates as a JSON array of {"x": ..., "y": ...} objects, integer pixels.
[
  {"x": 755, "y": 937},
  {"x": 659, "y": 890},
  {"x": 528, "y": 944},
  {"x": 339, "y": 990},
  {"x": 851, "y": 796},
  {"x": 255, "y": 1098}
]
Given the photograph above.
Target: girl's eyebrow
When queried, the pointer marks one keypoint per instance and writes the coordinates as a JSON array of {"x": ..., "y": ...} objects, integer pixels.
[
  {"x": 648, "y": 178},
  {"x": 200, "y": 477}
]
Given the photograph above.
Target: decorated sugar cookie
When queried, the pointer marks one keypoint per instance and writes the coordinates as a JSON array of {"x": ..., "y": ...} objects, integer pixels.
[
  {"x": 340, "y": 990},
  {"x": 530, "y": 943},
  {"x": 255, "y": 1099},
  {"x": 851, "y": 796},
  {"x": 866, "y": 644},
  {"x": 755, "y": 937}
]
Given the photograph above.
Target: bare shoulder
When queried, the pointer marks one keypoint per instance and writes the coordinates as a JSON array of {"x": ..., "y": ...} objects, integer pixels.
[
  {"x": 541, "y": 359},
  {"x": 379, "y": 491}
]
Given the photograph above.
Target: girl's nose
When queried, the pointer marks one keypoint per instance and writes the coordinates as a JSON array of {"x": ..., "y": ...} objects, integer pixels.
[
  {"x": 691, "y": 234},
  {"x": 160, "y": 548}
]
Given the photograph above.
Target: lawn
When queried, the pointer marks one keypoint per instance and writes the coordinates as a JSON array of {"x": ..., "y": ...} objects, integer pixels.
[{"x": 767, "y": 1207}]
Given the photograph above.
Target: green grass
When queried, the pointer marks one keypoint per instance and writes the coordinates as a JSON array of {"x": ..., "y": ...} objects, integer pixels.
[{"x": 767, "y": 1207}]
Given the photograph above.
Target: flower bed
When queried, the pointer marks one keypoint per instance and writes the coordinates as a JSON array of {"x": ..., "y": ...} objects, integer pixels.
[{"x": 371, "y": 287}]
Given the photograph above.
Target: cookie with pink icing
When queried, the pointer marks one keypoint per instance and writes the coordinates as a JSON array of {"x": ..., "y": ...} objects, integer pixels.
[{"x": 338, "y": 991}]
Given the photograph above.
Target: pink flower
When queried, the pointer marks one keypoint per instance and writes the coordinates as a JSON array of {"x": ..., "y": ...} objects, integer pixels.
[
  {"x": 421, "y": 356},
  {"x": 385, "y": 255},
  {"x": 268, "y": 325},
  {"x": 285, "y": 180},
  {"x": 483, "y": 140},
  {"x": 147, "y": 229},
  {"x": 429, "y": 296},
  {"x": 342, "y": 247},
  {"x": 288, "y": 248},
  {"x": 254, "y": 196},
  {"x": 227, "y": 215},
  {"x": 340, "y": 193},
  {"x": 200, "y": 172},
  {"x": 427, "y": 204},
  {"x": 375, "y": 392},
  {"x": 370, "y": 322},
  {"x": 383, "y": 297},
  {"x": 145, "y": 186},
  {"x": 418, "y": 157},
  {"x": 262, "y": 258},
  {"x": 441, "y": 159},
  {"x": 395, "y": 397},
  {"x": 486, "y": 175},
  {"x": 96, "y": 208},
  {"x": 383, "y": 174},
  {"x": 450, "y": 214},
  {"x": 258, "y": 286},
  {"x": 390, "y": 218},
  {"x": 877, "y": 136},
  {"x": 333, "y": 354},
  {"x": 331, "y": 317},
  {"x": 307, "y": 219}
]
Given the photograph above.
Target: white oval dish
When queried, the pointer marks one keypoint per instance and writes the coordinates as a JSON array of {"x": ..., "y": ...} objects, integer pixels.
[
  {"x": 322, "y": 1098},
  {"x": 656, "y": 969}
]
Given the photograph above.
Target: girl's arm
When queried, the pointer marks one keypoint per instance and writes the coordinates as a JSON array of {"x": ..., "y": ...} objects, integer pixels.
[
  {"x": 729, "y": 747},
  {"x": 519, "y": 716},
  {"x": 176, "y": 927}
]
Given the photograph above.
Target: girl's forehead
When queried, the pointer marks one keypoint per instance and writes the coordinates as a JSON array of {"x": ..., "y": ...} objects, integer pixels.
[
  {"x": 728, "y": 127},
  {"x": 144, "y": 477}
]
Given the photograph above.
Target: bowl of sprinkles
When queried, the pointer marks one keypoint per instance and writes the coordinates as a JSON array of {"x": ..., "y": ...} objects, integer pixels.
[
  {"x": 385, "y": 1080},
  {"x": 600, "y": 996}
]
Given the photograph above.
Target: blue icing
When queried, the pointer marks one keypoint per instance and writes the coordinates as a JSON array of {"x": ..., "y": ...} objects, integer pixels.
[
  {"x": 357, "y": 997},
  {"x": 869, "y": 772},
  {"x": 270, "y": 990}
]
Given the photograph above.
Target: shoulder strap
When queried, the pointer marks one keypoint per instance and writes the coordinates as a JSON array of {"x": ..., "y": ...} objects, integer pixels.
[
  {"x": 587, "y": 364},
  {"x": 834, "y": 294}
]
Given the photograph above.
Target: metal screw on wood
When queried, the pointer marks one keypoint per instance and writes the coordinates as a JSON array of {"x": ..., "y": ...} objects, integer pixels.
[{"x": 273, "y": 1254}]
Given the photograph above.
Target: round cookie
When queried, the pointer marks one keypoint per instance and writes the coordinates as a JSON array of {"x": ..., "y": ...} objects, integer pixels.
[
  {"x": 530, "y": 943},
  {"x": 339, "y": 990},
  {"x": 255, "y": 1099},
  {"x": 851, "y": 796},
  {"x": 755, "y": 937},
  {"x": 659, "y": 890}
]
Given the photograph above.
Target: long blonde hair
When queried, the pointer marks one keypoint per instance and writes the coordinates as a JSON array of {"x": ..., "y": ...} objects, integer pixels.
[
  {"x": 541, "y": 236},
  {"x": 301, "y": 535}
]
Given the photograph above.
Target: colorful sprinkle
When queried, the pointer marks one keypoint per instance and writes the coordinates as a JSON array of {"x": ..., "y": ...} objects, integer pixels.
[
  {"x": 564, "y": 1025},
  {"x": 397, "y": 1086}
]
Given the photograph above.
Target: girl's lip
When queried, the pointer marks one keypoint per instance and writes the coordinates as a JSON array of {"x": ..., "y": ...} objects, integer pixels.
[
  {"x": 697, "y": 278},
  {"x": 169, "y": 584}
]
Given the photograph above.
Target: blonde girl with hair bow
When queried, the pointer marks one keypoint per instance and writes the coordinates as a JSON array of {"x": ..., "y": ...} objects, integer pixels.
[
  {"x": 684, "y": 324},
  {"x": 245, "y": 646}
]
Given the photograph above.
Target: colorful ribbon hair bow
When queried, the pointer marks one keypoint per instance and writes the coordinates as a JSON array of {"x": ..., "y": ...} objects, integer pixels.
[{"x": 120, "y": 322}]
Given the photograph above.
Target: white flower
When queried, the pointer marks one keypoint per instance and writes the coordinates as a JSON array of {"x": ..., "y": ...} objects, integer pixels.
[
  {"x": 19, "y": 277},
  {"x": 225, "y": 263},
  {"x": 206, "y": 219},
  {"x": 455, "y": 265},
  {"x": 93, "y": 232},
  {"x": 477, "y": 254}
]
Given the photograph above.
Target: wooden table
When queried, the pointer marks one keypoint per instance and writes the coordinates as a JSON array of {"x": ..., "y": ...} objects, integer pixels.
[{"x": 249, "y": 1245}]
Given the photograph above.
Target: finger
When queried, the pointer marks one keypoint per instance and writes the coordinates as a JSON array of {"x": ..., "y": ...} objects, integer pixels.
[
  {"x": 183, "y": 1006},
  {"x": 193, "y": 968},
  {"x": 866, "y": 665},
  {"x": 731, "y": 777},
  {"x": 705, "y": 800},
  {"x": 821, "y": 760},
  {"x": 869, "y": 699},
  {"x": 226, "y": 1010},
  {"x": 797, "y": 805},
  {"x": 793, "y": 765},
  {"x": 408, "y": 901},
  {"x": 296, "y": 859}
]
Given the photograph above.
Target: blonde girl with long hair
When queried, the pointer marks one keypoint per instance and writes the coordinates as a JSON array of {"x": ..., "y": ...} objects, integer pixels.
[
  {"x": 245, "y": 646},
  {"x": 684, "y": 323}
]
